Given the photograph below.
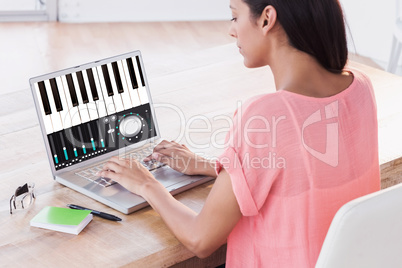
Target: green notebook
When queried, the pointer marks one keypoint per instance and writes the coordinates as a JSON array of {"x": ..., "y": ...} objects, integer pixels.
[{"x": 59, "y": 219}]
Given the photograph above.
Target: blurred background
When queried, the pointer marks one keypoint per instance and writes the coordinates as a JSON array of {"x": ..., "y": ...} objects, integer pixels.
[
  {"x": 371, "y": 23},
  {"x": 43, "y": 36}
]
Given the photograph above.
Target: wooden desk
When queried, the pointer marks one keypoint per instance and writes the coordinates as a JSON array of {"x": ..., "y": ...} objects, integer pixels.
[{"x": 202, "y": 87}]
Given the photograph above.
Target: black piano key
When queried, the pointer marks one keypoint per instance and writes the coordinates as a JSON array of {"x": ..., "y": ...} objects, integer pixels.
[
  {"x": 117, "y": 77},
  {"x": 66, "y": 155},
  {"x": 92, "y": 85},
  {"x": 69, "y": 146},
  {"x": 56, "y": 95},
  {"x": 58, "y": 150},
  {"x": 140, "y": 70},
  {"x": 74, "y": 141},
  {"x": 45, "y": 99},
  {"x": 108, "y": 83},
  {"x": 94, "y": 129},
  {"x": 81, "y": 136},
  {"x": 72, "y": 136},
  {"x": 86, "y": 130},
  {"x": 52, "y": 146},
  {"x": 88, "y": 127},
  {"x": 83, "y": 89},
  {"x": 101, "y": 133},
  {"x": 131, "y": 71},
  {"x": 86, "y": 136},
  {"x": 62, "y": 143},
  {"x": 94, "y": 133},
  {"x": 71, "y": 88}
]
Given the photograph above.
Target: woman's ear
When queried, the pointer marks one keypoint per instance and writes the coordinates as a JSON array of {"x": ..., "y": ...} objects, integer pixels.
[{"x": 268, "y": 19}]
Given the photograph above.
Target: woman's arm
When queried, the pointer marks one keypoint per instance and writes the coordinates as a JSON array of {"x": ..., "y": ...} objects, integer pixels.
[
  {"x": 206, "y": 232},
  {"x": 180, "y": 158},
  {"x": 201, "y": 233}
]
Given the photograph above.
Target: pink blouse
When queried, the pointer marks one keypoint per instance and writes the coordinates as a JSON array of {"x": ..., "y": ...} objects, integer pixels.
[{"x": 294, "y": 161}]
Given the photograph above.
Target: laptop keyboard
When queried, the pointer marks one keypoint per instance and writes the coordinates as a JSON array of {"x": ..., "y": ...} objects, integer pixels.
[{"x": 90, "y": 173}]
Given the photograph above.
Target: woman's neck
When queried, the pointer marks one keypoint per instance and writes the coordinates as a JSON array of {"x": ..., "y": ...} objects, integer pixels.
[{"x": 298, "y": 72}]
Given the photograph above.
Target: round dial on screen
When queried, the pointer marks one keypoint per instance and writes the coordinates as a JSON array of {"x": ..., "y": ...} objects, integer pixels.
[{"x": 130, "y": 126}]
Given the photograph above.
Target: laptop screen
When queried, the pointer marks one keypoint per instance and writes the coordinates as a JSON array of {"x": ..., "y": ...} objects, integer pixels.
[{"x": 93, "y": 109}]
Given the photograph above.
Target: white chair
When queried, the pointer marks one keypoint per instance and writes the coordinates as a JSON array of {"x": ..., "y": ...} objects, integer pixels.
[
  {"x": 397, "y": 39},
  {"x": 366, "y": 232}
]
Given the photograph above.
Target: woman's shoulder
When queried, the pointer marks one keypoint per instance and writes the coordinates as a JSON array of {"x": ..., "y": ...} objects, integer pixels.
[
  {"x": 281, "y": 101},
  {"x": 265, "y": 102},
  {"x": 359, "y": 77}
]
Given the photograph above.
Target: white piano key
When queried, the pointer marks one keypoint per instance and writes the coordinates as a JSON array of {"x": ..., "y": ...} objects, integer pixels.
[
  {"x": 47, "y": 120},
  {"x": 125, "y": 96},
  {"x": 91, "y": 105},
  {"x": 118, "y": 103},
  {"x": 82, "y": 107},
  {"x": 100, "y": 104},
  {"x": 135, "y": 98},
  {"x": 56, "y": 119},
  {"x": 142, "y": 90},
  {"x": 65, "y": 113},
  {"x": 109, "y": 103},
  {"x": 74, "y": 113}
]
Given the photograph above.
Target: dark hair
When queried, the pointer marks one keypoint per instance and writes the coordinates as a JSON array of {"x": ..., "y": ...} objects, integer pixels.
[{"x": 316, "y": 27}]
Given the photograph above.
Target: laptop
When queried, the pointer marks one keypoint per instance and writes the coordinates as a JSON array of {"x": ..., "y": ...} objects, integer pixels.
[{"x": 91, "y": 112}]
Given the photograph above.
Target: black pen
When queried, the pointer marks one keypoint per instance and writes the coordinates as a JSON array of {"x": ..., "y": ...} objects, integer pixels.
[{"x": 96, "y": 213}]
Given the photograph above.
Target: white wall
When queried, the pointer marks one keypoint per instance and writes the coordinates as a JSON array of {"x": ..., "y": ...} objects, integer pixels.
[
  {"x": 370, "y": 21},
  {"x": 143, "y": 10},
  {"x": 371, "y": 26}
]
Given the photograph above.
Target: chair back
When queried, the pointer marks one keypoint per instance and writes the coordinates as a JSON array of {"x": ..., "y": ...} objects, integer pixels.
[{"x": 366, "y": 232}]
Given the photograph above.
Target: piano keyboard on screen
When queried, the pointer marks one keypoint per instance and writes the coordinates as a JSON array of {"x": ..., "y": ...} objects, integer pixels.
[{"x": 95, "y": 110}]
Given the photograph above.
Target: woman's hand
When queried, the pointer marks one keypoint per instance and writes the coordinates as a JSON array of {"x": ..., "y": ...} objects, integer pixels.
[
  {"x": 131, "y": 174},
  {"x": 180, "y": 158},
  {"x": 202, "y": 233}
]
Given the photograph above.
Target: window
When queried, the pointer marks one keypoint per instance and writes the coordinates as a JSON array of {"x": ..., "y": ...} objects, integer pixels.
[{"x": 28, "y": 10}]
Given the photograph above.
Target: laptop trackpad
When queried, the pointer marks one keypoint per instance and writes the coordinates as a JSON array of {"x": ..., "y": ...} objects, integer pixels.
[{"x": 168, "y": 176}]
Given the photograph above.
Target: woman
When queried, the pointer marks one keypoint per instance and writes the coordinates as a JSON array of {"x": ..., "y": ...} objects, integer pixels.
[{"x": 320, "y": 125}]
